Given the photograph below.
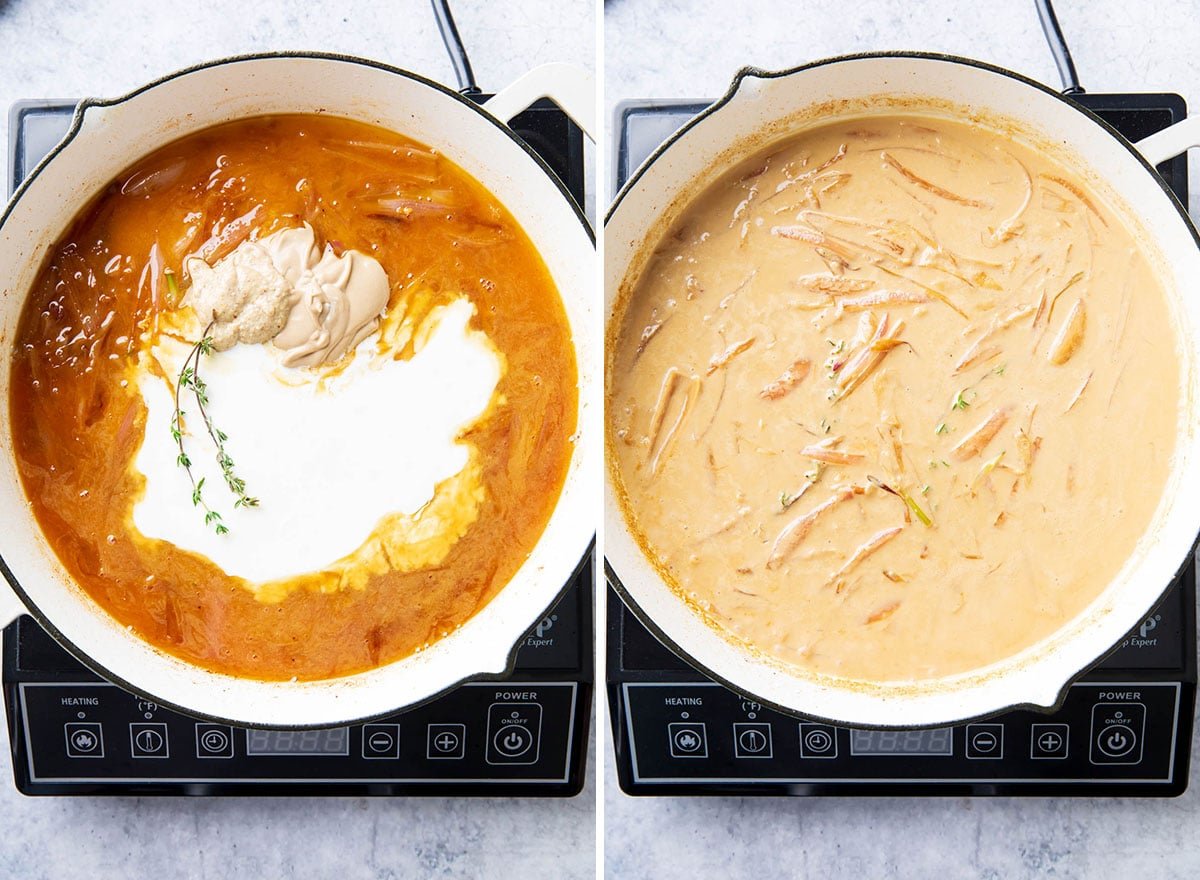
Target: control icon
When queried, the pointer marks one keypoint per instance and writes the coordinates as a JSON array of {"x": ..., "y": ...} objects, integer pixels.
[
  {"x": 85, "y": 739},
  {"x": 1116, "y": 742},
  {"x": 752, "y": 740},
  {"x": 512, "y": 742},
  {"x": 818, "y": 741},
  {"x": 1117, "y": 733},
  {"x": 985, "y": 741},
  {"x": 148, "y": 740},
  {"x": 214, "y": 741},
  {"x": 514, "y": 733},
  {"x": 1049, "y": 741},
  {"x": 446, "y": 741},
  {"x": 380, "y": 741},
  {"x": 688, "y": 739}
]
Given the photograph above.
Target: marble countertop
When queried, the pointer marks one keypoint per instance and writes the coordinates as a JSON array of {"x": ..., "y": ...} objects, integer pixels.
[
  {"x": 69, "y": 48},
  {"x": 653, "y": 49},
  {"x": 683, "y": 49}
]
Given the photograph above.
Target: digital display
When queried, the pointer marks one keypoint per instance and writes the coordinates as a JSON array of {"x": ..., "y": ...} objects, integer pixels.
[
  {"x": 939, "y": 741},
  {"x": 335, "y": 741}
]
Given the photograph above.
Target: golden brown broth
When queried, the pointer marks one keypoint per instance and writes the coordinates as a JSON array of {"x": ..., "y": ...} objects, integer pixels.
[
  {"x": 76, "y": 430},
  {"x": 1030, "y": 521}
]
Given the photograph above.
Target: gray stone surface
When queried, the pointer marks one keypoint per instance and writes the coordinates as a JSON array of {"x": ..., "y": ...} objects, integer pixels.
[
  {"x": 682, "y": 49},
  {"x": 61, "y": 48},
  {"x": 692, "y": 48}
]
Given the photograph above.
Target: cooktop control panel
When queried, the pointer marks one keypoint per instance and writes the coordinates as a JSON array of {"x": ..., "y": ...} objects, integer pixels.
[
  {"x": 93, "y": 731},
  {"x": 1123, "y": 729},
  {"x": 75, "y": 733},
  {"x": 1104, "y": 733}
]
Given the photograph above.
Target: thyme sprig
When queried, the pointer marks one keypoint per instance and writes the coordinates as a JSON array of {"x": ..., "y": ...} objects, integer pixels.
[
  {"x": 189, "y": 379},
  {"x": 908, "y": 500}
]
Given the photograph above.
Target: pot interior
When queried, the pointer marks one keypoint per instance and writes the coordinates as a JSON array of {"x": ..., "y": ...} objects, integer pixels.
[
  {"x": 109, "y": 136},
  {"x": 764, "y": 107}
]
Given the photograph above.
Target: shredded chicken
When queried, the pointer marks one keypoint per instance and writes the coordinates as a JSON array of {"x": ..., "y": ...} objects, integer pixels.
[
  {"x": 722, "y": 358},
  {"x": 930, "y": 186},
  {"x": 648, "y": 333},
  {"x": 660, "y": 443},
  {"x": 883, "y": 613},
  {"x": 788, "y": 379},
  {"x": 824, "y": 451},
  {"x": 879, "y": 298},
  {"x": 794, "y": 533},
  {"x": 834, "y": 284},
  {"x": 1077, "y": 192},
  {"x": 867, "y": 548},
  {"x": 980, "y": 351},
  {"x": 1012, "y": 225},
  {"x": 976, "y": 441},
  {"x": 868, "y": 358},
  {"x": 1079, "y": 393},
  {"x": 1070, "y": 335}
]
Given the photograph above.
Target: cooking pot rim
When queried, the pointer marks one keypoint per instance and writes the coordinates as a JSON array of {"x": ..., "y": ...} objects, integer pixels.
[
  {"x": 32, "y": 608},
  {"x": 86, "y": 103},
  {"x": 749, "y": 72},
  {"x": 611, "y": 576}
]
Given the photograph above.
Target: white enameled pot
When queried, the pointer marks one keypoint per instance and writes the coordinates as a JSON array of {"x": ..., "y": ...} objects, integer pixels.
[
  {"x": 763, "y": 106},
  {"x": 105, "y": 137}
]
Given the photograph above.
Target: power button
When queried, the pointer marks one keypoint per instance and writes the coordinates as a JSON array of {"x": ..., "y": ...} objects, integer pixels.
[
  {"x": 514, "y": 733},
  {"x": 1117, "y": 733}
]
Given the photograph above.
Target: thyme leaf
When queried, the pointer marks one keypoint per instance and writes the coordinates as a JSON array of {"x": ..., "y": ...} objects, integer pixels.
[
  {"x": 908, "y": 500},
  {"x": 189, "y": 379}
]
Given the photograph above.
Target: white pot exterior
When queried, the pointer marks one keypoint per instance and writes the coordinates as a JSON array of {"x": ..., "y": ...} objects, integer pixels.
[
  {"x": 762, "y": 106},
  {"x": 106, "y": 137}
]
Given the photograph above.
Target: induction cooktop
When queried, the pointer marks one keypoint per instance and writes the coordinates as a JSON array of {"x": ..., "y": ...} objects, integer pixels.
[
  {"x": 1125, "y": 727},
  {"x": 73, "y": 733}
]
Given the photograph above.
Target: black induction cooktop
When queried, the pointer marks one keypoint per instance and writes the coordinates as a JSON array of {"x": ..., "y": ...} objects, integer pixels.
[
  {"x": 1125, "y": 727},
  {"x": 71, "y": 732}
]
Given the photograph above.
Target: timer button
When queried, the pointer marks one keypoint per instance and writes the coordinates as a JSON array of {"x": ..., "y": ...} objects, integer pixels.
[
  {"x": 214, "y": 741},
  {"x": 818, "y": 741}
]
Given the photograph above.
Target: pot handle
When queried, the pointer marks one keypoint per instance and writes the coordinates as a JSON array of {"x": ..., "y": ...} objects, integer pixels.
[
  {"x": 1170, "y": 142},
  {"x": 571, "y": 88}
]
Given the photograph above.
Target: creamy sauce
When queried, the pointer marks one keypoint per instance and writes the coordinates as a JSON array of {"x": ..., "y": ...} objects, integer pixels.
[
  {"x": 312, "y": 303},
  {"x": 326, "y": 460},
  {"x": 403, "y": 476},
  {"x": 894, "y": 399}
]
